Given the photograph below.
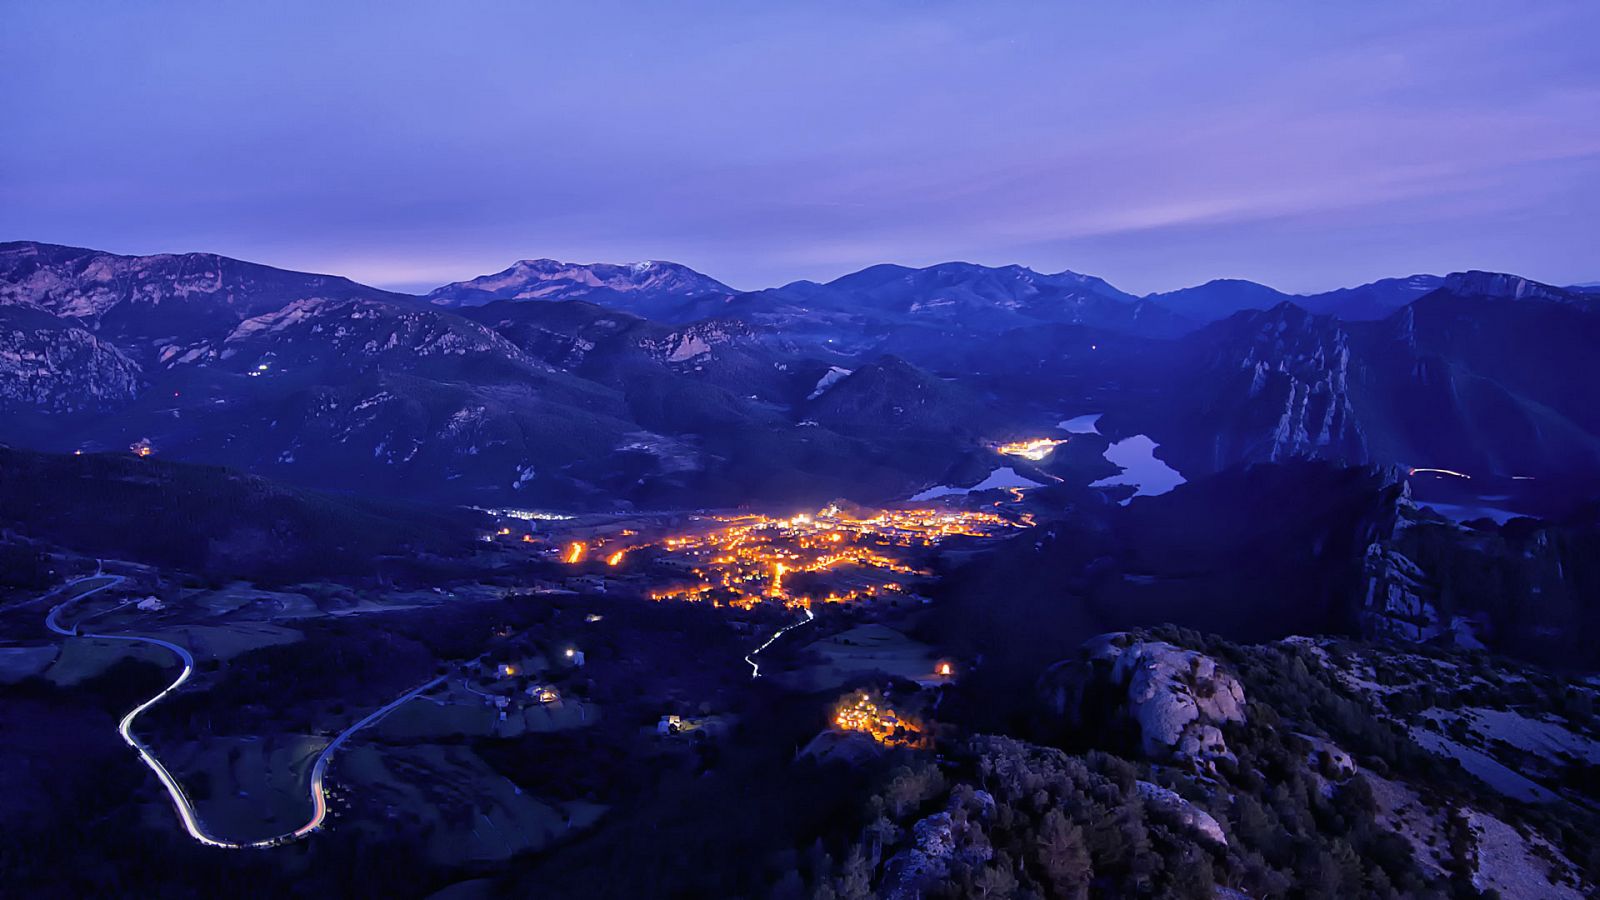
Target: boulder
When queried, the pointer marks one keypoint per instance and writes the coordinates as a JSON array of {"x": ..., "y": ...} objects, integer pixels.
[
  {"x": 1190, "y": 816},
  {"x": 940, "y": 840},
  {"x": 1178, "y": 698}
]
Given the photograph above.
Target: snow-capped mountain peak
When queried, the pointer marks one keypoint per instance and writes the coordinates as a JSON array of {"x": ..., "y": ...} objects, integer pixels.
[{"x": 549, "y": 279}]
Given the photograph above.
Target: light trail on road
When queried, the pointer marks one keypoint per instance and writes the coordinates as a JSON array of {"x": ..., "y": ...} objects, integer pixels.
[
  {"x": 180, "y": 800},
  {"x": 755, "y": 667},
  {"x": 320, "y": 769},
  {"x": 1451, "y": 472}
]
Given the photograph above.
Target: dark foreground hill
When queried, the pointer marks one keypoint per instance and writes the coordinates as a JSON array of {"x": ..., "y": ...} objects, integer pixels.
[{"x": 214, "y": 521}]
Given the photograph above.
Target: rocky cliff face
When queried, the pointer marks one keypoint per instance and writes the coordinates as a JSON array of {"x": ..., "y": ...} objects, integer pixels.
[
  {"x": 1303, "y": 363},
  {"x": 693, "y": 343},
  {"x": 1262, "y": 386},
  {"x": 1400, "y": 600},
  {"x": 47, "y": 366}
]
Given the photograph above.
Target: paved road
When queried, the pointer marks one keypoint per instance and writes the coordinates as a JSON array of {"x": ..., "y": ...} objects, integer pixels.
[
  {"x": 320, "y": 768},
  {"x": 180, "y": 800},
  {"x": 755, "y": 667},
  {"x": 1452, "y": 472}
]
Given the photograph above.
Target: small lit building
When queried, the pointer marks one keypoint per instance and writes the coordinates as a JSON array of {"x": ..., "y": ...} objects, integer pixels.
[
  {"x": 669, "y": 725},
  {"x": 151, "y": 604}
]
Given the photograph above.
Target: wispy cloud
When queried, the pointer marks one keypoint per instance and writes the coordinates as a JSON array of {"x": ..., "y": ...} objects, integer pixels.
[{"x": 1156, "y": 145}]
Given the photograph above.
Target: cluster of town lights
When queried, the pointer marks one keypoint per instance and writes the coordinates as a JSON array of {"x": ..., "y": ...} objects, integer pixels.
[
  {"x": 1034, "y": 449},
  {"x": 748, "y": 559},
  {"x": 860, "y": 712}
]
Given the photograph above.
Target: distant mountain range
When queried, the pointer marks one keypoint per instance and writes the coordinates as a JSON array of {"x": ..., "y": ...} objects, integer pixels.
[
  {"x": 1220, "y": 299},
  {"x": 584, "y": 385},
  {"x": 934, "y": 294},
  {"x": 1481, "y": 374}
]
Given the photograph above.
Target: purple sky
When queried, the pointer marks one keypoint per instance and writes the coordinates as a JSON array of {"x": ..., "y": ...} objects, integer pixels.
[{"x": 1306, "y": 145}]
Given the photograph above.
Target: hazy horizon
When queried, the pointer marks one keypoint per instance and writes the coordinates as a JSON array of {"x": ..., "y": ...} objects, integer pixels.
[{"x": 427, "y": 286}]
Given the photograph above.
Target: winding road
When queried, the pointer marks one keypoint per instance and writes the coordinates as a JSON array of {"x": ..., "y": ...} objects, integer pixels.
[
  {"x": 750, "y": 658},
  {"x": 180, "y": 800}
]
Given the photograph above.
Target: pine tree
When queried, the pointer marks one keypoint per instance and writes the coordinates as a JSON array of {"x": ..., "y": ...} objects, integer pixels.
[
  {"x": 855, "y": 879},
  {"x": 1063, "y": 857}
]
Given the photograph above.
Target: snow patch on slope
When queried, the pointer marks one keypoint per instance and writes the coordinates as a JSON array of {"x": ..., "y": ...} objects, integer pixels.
[{"x": 833, "y": 376}]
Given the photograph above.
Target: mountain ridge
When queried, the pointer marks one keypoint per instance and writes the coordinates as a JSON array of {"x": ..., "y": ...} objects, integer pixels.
[{"x": 662, "y": 393}]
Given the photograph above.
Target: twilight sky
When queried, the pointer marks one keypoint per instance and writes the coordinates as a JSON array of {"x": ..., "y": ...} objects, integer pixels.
[{"x": 1306, "y": 145}]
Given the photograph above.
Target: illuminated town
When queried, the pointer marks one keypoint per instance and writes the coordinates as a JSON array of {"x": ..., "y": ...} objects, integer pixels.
[
  {"x": 745, "y": 560},
  {"x": 862, "y": 712},
  {"x": 1034, "y": 449}
]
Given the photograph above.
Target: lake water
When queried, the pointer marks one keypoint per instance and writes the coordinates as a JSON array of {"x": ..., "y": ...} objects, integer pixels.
[
  {"x": 1135, "y": 455},
  {"x": 1466, "y": 512},
  {"x": 1006, "y": 477},
  {"x": 1140, "y": 468},
  {"x": 1081, "y": 424}
]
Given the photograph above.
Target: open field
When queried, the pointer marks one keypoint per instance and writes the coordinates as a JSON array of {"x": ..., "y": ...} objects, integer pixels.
[
  {"x": 242, "y": 595},
  {"x": 88, "y": 585},
  {"x": 84, "y": 658},
  {"x": 248, "y": 788},
  {"x": 17, "y": 663},
  {"x": 863, "y": 650},
  {"x": 227, "y": 641},
  {"x": 467, "y": 811}
]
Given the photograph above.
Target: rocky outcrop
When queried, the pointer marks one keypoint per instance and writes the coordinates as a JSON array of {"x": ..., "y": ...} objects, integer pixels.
[
  {"x": 1190, "y": 816},
  {"x": 694, "y": 343},
  {"x": 1178, "y": 699},
  {"x": 940, "y": 840}
]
